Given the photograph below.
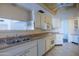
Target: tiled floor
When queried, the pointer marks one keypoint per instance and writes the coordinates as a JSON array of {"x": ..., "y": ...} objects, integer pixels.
[{"x": 68, "y": 49}]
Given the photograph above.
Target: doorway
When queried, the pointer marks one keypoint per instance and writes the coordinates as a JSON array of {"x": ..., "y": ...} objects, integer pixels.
[
  {"x": 65, "y": 30},
  {"x": 65, "y": 38}
]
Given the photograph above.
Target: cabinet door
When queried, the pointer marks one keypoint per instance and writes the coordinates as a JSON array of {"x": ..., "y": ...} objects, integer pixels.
[
  {"x": 42, "y": 18},
  {"x": 41, "y": 47},
  {"x": 38, "y": 20},
  {"x": 48, "y": 43},
  {"x": 32, "y": 51},
  {"x": 49, "y": 22},
  {"x": 43, "y": 22},
  {"x": 59, "y": 39}
]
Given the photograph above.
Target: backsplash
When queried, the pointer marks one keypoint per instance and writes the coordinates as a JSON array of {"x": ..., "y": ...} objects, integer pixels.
[
  {"x": 11, "y": 33},
  {"x": 15, "y": 33}
]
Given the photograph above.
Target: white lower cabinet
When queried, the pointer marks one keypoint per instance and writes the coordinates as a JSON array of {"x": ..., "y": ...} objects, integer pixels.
[
  {"x": 48, "y": 44},
  {"x": 26, "y": 49},
  {"x": 33, "y": 48},
  {"x": 30, "y": 52},
  {"x": 75, "y": 39},
  {"x": 59, "y": 39},
  {"x": 41, "y": 47}
]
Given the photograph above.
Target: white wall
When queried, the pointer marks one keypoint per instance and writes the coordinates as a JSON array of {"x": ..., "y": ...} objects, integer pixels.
[{"x": 10, "y": 11}]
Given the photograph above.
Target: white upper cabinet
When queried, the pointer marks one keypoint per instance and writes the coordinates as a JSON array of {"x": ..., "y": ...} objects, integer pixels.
[
  {"x": 42, "y": 21},
  {"x": 37, "y": 20}
]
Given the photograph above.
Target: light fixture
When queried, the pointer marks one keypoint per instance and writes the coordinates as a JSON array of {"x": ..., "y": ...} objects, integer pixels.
[{"x": 64, "y": 4}]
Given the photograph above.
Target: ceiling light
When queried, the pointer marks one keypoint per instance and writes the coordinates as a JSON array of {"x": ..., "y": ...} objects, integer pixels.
[{"x": 64, "y": 4}]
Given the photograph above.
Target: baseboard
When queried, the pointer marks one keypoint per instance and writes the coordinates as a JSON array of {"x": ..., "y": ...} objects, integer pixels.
[
  {"x": 58, "y": 44},
  {"x": 48, "y": 51},
  {"x": 75, "y": 43}
]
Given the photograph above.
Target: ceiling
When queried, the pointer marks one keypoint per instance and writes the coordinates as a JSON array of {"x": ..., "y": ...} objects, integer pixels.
[{"x": 54, "y": 7}]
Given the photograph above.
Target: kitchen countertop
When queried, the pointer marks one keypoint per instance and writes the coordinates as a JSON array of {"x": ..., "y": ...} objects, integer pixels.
[
  {"x": 33, "y": 37},
  {"x": 31, "y": 33}
]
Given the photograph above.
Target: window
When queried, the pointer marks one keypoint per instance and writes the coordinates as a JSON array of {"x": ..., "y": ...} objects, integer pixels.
[
  {"x": 7, "y": 24},
  {"x": 18, "y": 25}
]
